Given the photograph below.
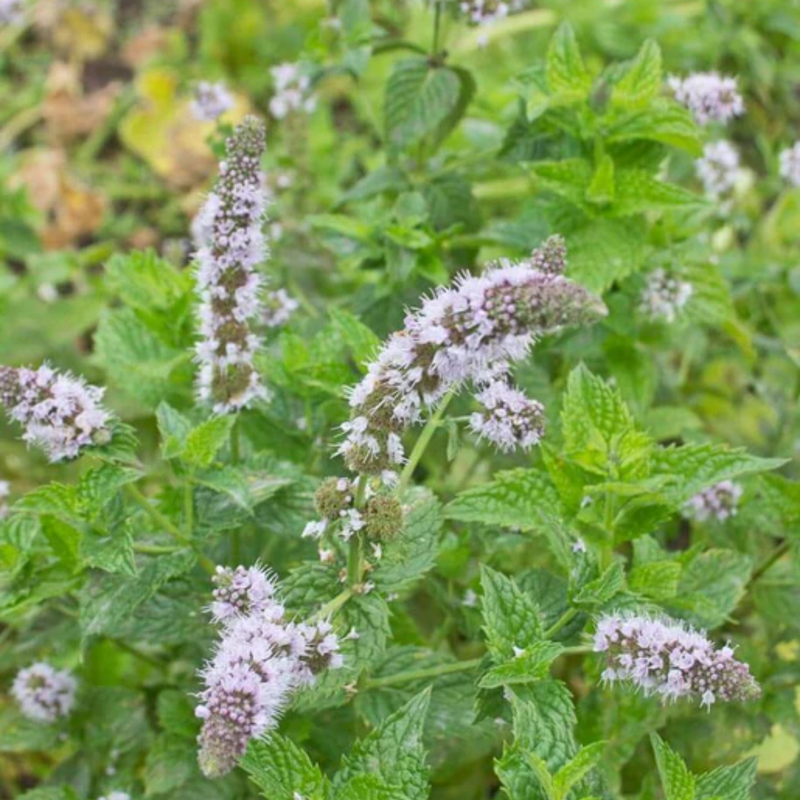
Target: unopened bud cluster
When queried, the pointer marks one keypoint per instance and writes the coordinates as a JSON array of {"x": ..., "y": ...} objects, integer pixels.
[
  {"x": 671, "y": 660},
  {"x": 60, "y": 413},
  {"x": 231, "y": 245},
  {"x": 262, "y": 658},
  {"x": 471, "y": 332},
  {"x": 710, "y": 97},
  {"x": 43, "y": 693},
  {"x": 719, "y": 502},
  {"x": 381, "y": 517}
]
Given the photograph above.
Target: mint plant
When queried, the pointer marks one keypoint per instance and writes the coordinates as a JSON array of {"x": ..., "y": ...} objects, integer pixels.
[{"x": 419, "y": 481}]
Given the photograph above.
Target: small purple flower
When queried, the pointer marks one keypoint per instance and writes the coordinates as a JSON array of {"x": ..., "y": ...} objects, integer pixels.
[
  {"x": 292, "y": 92},
  {"x": 671, "y": 660},
  {"x": 43, "y": 693},
  {"x": 720, "y": 502},
  {"x": 211, "y": 101},
  {"x": 509, "y": 419},
  {"x": 5, "y": 491},
  {"x": 278, "y": 308},
  {"x": 710, "y": 97},
  {"x": 61, "y": 414},
  {"x": 718, "y": 168}
]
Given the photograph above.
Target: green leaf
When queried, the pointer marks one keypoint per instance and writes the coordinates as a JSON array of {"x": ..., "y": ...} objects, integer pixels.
[
  {"x": 107, "y": 601},
  {"x": 144, "y": 281},
  {"x": 420, "y": 97},
  {"x": 602, "y": 188},
  {"x": 510, "y": 617},
  {"x": 282, "y": 770},
  {"x": 662, "y": 120},
  {"x": 573, "y": 772},
  {"x": 409, "y": 556},
  {"x": 599, "y": 591},
  {"x": 367, "y": 787},
  {"x": 393, "y": 752},
  {"x": 176, "y": 715},
  {"x": 728, "y": 783},
  {"x": 170, "y": 763},
  {"x": 173, "y": 429},
  {"x": 701, "y": 466},
  {"x": 677, "y": 781},
  {"x": 657, "y": 580},
  {"x": 136, "y": 361},
  {"x": 517, "y": 498},
  {"x": 204, "y": 441},
  {"x": 638, "y": 192},
  {"x": 711, "y": 586},
  {"x": 362, "y": 342},
  {"x": 642, "y": 80},
  {"x": 532, "y": 664},
  {"x": 564, "y": 68}
]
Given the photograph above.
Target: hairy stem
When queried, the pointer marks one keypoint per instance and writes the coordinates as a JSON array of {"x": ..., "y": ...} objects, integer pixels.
[
  {"x": 331, "y": 607},
  {"x": 422, "y": 443},
  {"x": 563, "y": 620},
  {"x": 423, "y": 674}
]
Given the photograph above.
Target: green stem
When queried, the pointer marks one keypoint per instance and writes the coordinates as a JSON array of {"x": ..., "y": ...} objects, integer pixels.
[
  {"x": 422, "y": 443},
  {"x": 437, "y": 26},
  {"x": 162, "y": 522},
  {"x": 423, "y": 674},
  {"x": 330, "y": 608},
  {"x": 154, "y": 549},
  {"x": 236, "y": 444},
  {"x": 355, "y": 561},
  {"x": 563, "y": 620},
  {"x": 781, "y": 550}
]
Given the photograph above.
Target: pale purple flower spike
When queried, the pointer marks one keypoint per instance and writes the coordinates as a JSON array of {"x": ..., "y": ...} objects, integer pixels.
[
  {"x": 671, "y": 660},
  {"x": 790, "y": 164},
  {"x": 211, "y": 101},
  {"x": 509, "y": 419},
  {"x": 231, "y": 245},
  {"x": 718, "y": 168},
  {"x": 60, "y": 413},
  {"x": 260, "y": 660}
]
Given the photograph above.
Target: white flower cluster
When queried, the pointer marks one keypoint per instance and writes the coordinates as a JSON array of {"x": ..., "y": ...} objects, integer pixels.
[
  {"x": 718, "y": 168},
  {"x": 664, "y": 296},
  {"x": 60, "y": 413},
  {"x": 44, "y": 694},
  {"x": 5, "y": 491},
  {"x": 469, "y": 333},
  {"x": 211, "y": 101},
  {"x": 278, "y": 308},
  {"x": 720, "y": 501},
  {"x": 710, "y": 97},
  {"x": 790, "y": 164},
  {"x": 260, "y": 660},
  {"x": 509, "y": 420},
  {"x": 11, "y": 12},
  {"x": 115, "y": 796},
  {"x": 671, "y": 660},
  {"x": 231, "y": 245},
  {"x": 292, "y": 92}
]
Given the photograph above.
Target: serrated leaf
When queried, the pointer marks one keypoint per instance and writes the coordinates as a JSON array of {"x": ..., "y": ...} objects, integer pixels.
[
  {"x": 657, "y": 580},
  {"x": 642, "y": 80},
  {"x": 677, "y": 781},
  {"x": 662, "y": 120},
  {"x": 282, "y": 770},
  {"x": 728, "y": 783},
  {"x": 510, "y": 617},
  {"x": 419, "y": 98},
  {"x": 586, "y": 759},
  {"x": 599, "y": 591},
  {"x": 205, "y": 441},
  {"x": 516, "y": 498},
  {"x": 638, "y": 192},
  {"x": 393, "y": 752},
  {"x": 532, "y": 664},
  {"x": 367, "y": 787},
  {"x": 170, "y": 763},
  {"x": 173, "y": 428},
  {"x": 602, "y": 189},
  {"x": 544, "y": 719},
  {"x": 564, "y": 67},
  {"x": 108, "y": 600},
  {"x": 362, "y": 342},
  {"x": 409, "y": 556}
]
